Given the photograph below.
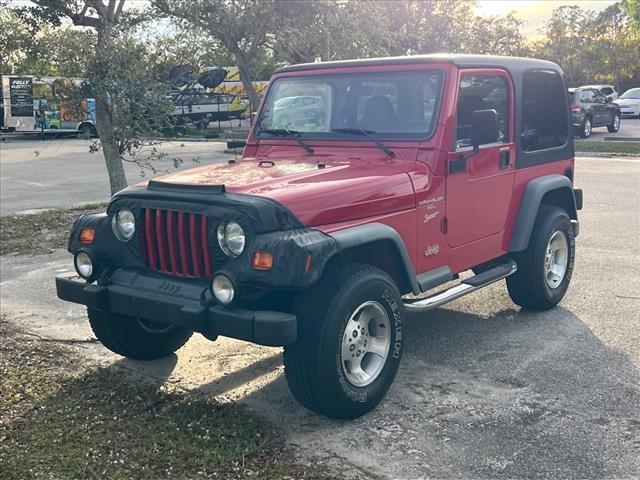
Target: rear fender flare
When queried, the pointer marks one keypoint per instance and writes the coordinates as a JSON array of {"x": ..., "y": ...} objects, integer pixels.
[{"x": 556, "y": 186}]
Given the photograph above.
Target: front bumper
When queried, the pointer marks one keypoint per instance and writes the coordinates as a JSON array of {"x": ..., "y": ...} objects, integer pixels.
[{"x": 178, "y": 303}]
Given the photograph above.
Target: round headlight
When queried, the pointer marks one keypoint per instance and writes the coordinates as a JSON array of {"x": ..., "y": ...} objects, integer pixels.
[
  {"x": 222, "y": 289},
  {"x": 231, "y": 238},
  {"x": 123, "y": 225},
  {"x": 83, "y": 264}
]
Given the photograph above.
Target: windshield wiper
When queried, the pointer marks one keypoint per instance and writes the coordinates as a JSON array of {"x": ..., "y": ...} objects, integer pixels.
[
  {"x": 366, "y": 133},
  {"x": 285, "y": 132}
]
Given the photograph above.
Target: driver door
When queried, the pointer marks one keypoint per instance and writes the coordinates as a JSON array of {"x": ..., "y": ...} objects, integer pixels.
[{"x": 479, "y": 185}]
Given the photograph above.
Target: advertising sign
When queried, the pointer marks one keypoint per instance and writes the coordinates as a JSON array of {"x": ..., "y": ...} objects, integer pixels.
[{"x": 21, "y": 95}]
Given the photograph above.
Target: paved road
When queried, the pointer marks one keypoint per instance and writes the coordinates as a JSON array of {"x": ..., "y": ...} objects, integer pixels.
[
  {"x": 484, "y": 390},
  {"x": 629, "y": 127},
  {"x": 62, "y": 173}
]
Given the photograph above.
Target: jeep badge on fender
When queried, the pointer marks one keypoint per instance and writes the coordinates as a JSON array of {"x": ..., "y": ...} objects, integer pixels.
[{"x": 365, "y": 186}]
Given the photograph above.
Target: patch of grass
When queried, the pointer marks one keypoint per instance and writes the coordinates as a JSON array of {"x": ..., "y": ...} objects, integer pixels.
[
  {"x": 60, "y": 420},
  {"x": 40, "y": 232},
  {"x": 619, "y": 148}
]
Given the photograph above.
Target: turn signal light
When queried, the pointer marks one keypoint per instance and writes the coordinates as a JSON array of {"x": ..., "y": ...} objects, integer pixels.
[
  {"x": 87, "y": 235},
  {"x": 262, "y": 261}
]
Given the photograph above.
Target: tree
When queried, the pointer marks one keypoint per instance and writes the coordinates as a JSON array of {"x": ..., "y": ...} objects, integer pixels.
[
  {"x": 14, "y": 42},
  {"x": 594, "y": 47},
  {"x": 496, "y": 35},
  {"x": 121, "y": 76},
  {"x": 241, "y": 26}
]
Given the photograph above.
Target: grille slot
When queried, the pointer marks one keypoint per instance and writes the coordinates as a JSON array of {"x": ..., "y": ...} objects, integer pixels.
[{"x": 175, "y": 243}]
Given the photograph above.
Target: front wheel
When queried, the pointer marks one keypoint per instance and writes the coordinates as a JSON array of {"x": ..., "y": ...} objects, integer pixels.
[
  {"x": 546, "y": 266},
  {"x": 615, "y": 125},
  {"x": 350, "y": 341},
  {"x": 136, "y": 337},
  {"x": 587, "y": 126}
]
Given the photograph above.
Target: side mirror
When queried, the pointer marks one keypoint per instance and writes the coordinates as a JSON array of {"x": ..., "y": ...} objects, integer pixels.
[
  {"x": 484, "y": 128},
  {"x": 608, "y": 99}
]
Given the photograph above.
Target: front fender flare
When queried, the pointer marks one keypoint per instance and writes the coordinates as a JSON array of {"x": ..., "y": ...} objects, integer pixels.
[{"x": 369, "y": 233}]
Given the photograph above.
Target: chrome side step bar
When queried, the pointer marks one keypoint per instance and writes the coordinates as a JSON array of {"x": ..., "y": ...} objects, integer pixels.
[{"x": 467, "y": 286}]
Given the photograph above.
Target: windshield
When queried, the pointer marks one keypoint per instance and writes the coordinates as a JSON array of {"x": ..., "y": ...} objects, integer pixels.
[
  {"x": 633, "y": 93},
  {"x": 394, "y": 105}
]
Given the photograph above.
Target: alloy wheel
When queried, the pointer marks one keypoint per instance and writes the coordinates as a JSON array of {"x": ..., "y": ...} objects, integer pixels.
[{"x": 365, "y": 344}]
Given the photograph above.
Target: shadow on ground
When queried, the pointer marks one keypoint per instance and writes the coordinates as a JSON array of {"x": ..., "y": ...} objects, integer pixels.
[{"x": 510, "y": 394}]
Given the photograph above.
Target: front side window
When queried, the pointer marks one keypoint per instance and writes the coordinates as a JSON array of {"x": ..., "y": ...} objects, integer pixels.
[
  {"x": 395, "y": 105},
  {"x": 607, "y": 90},
  {"x": 544, "y": 111},
  {"x": 589, "y": 96},
  {"x": 480, "y": 92}
]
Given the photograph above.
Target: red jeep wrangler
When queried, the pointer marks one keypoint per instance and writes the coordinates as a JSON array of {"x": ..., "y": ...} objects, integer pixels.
[{"x": 365, "y": 186}]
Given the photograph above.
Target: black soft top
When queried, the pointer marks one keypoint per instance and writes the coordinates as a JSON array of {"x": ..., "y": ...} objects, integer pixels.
[{"x": 511, "y": 64}]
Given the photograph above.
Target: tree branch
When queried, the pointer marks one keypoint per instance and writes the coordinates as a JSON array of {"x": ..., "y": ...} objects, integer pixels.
[
  {"x": 100, "y": 7},
  {"x": 118, "y": 11},
  {"x": 111, "y": 9}
]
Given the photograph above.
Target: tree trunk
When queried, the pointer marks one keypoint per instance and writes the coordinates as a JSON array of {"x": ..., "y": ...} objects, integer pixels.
[
  {"x": 104, "y": 122},
  {"x": 110, "y": 150},
  {"x": 247, "y": 78}
]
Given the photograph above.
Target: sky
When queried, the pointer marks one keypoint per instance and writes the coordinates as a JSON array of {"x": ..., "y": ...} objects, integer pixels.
[{"x": 534, "y": 12}]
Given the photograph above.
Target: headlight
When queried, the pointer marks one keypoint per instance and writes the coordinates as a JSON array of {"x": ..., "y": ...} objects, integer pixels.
[
  {"x": 231, "y": 238},
  {"x": 83, "y": 264},
  {"x": 123, "y": 225},
  {"x": 222, "y": 289}
]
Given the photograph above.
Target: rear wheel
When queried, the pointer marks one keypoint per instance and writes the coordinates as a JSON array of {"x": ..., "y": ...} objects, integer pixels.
[
  {"x": 87, "y": 129},
  {"x": 136, "y": 337},
  {"x": 350, "y": 341},
  {"x": 615, "y": 125},
  {"x": 587, "y": 126},
  {"x": 545, "y": 268}
]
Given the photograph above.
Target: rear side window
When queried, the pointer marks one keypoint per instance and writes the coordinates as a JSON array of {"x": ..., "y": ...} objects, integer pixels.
[{"x": 544, "y": 111}]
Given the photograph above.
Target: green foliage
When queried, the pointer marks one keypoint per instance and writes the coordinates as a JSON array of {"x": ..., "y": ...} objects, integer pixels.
[{"x": 594, "y": 47}]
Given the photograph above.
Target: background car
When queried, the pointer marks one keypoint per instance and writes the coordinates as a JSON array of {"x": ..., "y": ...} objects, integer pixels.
[
  {"x": 292, "y": 112},
  {"x": 590, "y": 109},
  {"x": 629, "y": 103},
  {"x": 606, "y": 90}
]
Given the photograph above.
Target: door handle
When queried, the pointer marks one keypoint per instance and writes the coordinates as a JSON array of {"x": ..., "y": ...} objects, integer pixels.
[{"x": 505, "y": 159}]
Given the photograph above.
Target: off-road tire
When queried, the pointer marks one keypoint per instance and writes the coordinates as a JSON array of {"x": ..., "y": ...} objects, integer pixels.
[
  {"x": 125, "y": 336},
  {"x": 586, "y": 128},
  {"x": 313, "y": 366},
  {"x": 615, "y": 125},
  {"x": 528, "y": 287}
]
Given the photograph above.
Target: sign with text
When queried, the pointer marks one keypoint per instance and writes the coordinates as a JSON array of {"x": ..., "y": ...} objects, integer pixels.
[{"x": 21, "y": 95}]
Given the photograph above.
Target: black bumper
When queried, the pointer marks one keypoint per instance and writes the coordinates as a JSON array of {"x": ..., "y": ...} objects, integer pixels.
[{"x": 178, "y": 303}]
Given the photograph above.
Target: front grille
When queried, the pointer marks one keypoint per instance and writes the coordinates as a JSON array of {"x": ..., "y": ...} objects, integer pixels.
[{"x": 175, "y": 243}]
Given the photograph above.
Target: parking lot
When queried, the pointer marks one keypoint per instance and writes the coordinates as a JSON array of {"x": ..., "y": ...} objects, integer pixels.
[
  {"x": 629, "y": 128},
  {"x": 62, "y": 173},
  {"x": 484, "y": 390}
]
